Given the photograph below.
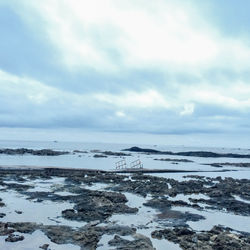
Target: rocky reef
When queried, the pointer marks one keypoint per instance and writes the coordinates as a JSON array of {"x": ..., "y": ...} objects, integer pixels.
[
  {"x": 40, "y": 152},
  {"x": 205, "y": 154},
  {"x": 94, "y": 208}
]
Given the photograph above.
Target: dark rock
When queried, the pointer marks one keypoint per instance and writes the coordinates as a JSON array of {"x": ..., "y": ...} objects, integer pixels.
[
  {"x": 139, "y": 242},
  {"x": 110, "y": 153},
  {"x": 233, "y": 164},
  {"x": 14, "y": 238},
  {"x": 141, "y": 150},
  {"x": 206, "y": 154},
  {"x": 18, "y": 212},
  {"x": 80, "y": 152},
  {"x": 217, "y": 238},
  {"x": 173, "y": 160},
  {"x": 41, "y": 152},
  {"x": 97, "y": 205},
  {"x": 159, "y": 203},
  {"x": 100, "y": 156},
  {"x": 44, "y": 246}
]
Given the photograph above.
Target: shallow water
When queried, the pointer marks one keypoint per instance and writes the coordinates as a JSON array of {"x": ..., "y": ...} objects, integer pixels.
[
  {"x": 34, "y": 241},
  {"x": 86, "y": 160},
  {"x": 213, "y": 217},
  {"x": 49, "y": 213},
  {"x": 46, "y": 212}
]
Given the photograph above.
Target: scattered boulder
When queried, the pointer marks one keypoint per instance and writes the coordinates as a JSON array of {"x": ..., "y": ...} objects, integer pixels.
[
  {"x": 14, "y": 238},
  {"x": 44, "y": 246}
]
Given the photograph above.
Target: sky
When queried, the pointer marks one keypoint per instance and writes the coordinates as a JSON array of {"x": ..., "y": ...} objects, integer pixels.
[{"x": 164, "y": 68}]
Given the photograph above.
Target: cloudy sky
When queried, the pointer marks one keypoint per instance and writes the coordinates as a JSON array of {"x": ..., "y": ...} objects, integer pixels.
[{"x": 130, "y": 66}]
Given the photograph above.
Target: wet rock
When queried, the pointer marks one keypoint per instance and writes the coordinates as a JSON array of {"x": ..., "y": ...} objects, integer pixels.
[
  {"x": 121, "y": 230},
  {"x": 2, "y": 215},
  {"x": 228, "y": 204},
  {"x": 139, "y": 242},
  {"x": 14, "y": 238},
  {"x": 15, "y": 186},
  {"x": 97, "y": 205},
  {"x": 100, "y": 156},
  {"x": 87, "y": 239},
  {"x": 173, "y": 160},
  {"x": 217, "y": 238},
  {"x": 171, "y": 218},
  {"x": 80, "y": 151},
  {"x": 5, "y": 230},
  {"x": 110, "y": 153},
  {"x": 142, "y": 185},
  {"x": 142, "y": 150},
  {"x": 23, "y": 227},
  {"x": 44, "y": 246},
  {"x": 22, "y": 151},
  {"x": 233, "y": 164},
  {"x": 159, "y": 203},
  {"x": 93, "y": 223},
  {"x": 118, "y": 241},
  {"x": 18, "y": 212},
  {"x": 206, "y": 154}
]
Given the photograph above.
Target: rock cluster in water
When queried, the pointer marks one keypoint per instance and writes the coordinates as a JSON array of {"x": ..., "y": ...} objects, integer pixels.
[
  {"x": 206, "y": 154},
  {"x": 96, "y": 207},
  {"x": 40, "y": 152}
]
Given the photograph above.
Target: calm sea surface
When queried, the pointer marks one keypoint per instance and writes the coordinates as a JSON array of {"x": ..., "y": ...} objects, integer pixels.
[{"x": 86, "y": 160}]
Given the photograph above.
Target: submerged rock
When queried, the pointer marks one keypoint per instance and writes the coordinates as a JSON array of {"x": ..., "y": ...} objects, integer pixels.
[
  {"x": 41, "y": 152},
  {"x": 14, "y": 238},
  {"x": 217, "y": 238},
  {"x": 44, "y": 246},
  {"x": 206, "y": 154},
  {"x": 139, "y": 242}
]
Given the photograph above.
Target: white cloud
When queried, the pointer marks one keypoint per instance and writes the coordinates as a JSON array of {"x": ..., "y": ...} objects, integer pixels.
[
  {"x": 167, "y": 35},
  {"x": 147, "y": 99},
  {"x": 234, "y": 96},
  {"x": 120, "y": 114},
  {"x": 188, "y": 109},
  {"x": 146, "y": 49},
  {"x": 27, "y": 91}
]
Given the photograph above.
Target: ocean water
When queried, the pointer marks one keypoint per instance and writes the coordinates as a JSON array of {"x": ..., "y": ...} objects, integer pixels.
[
  {"x": 87, "y": 160},
  {"x": 49, "y": 213}
]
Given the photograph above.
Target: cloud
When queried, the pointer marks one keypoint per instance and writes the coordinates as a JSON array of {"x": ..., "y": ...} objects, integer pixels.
[
  {"x": 26, "y": 102},
  {"x": 160, "y": 66},
  {"x": 147, "y": 99},
  {"x": 113, "y": 36}
]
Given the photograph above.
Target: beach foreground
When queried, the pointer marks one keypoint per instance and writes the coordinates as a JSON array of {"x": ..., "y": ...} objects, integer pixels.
[{"x": 55, "y": 208}]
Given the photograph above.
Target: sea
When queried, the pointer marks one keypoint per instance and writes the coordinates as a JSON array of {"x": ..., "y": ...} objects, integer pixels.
[
  {"x": 88, "y": 161},
  {"x": 50, "y": 213}
]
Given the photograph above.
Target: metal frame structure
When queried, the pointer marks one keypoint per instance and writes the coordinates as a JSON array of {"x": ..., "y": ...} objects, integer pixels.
[
  {"x": 134, "y": 164},
  {"x": 121, "y": 164}
]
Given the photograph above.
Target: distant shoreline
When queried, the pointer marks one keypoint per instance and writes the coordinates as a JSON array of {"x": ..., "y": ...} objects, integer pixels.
[{"x": 4, "y": 168}]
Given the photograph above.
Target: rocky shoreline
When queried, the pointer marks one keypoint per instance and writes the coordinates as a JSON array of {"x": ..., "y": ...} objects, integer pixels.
[
  {"x": 40, "y": 152},
  {"x": 205, "y": 154},
  {"x": 95, "y": 208}
]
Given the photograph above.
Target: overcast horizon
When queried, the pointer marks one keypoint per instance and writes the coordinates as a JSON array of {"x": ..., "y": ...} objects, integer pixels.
[{"x": 151, "y": 70}]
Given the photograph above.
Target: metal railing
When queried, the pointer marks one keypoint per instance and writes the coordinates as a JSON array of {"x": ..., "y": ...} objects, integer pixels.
[
  {"x": 123, "y": 165},
  {"x": 136, "y": 164}
]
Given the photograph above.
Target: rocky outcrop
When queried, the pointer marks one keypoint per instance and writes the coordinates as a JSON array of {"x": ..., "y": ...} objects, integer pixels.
[
  {"x": 217, "y": 238},
  {"x": 140, "y": 242},
  {"x": 173, "y": 160},
  {"x": 206, "y": 154},
  {"x": 41, "y": 152},
  {"x": 86, "y": 237}
]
